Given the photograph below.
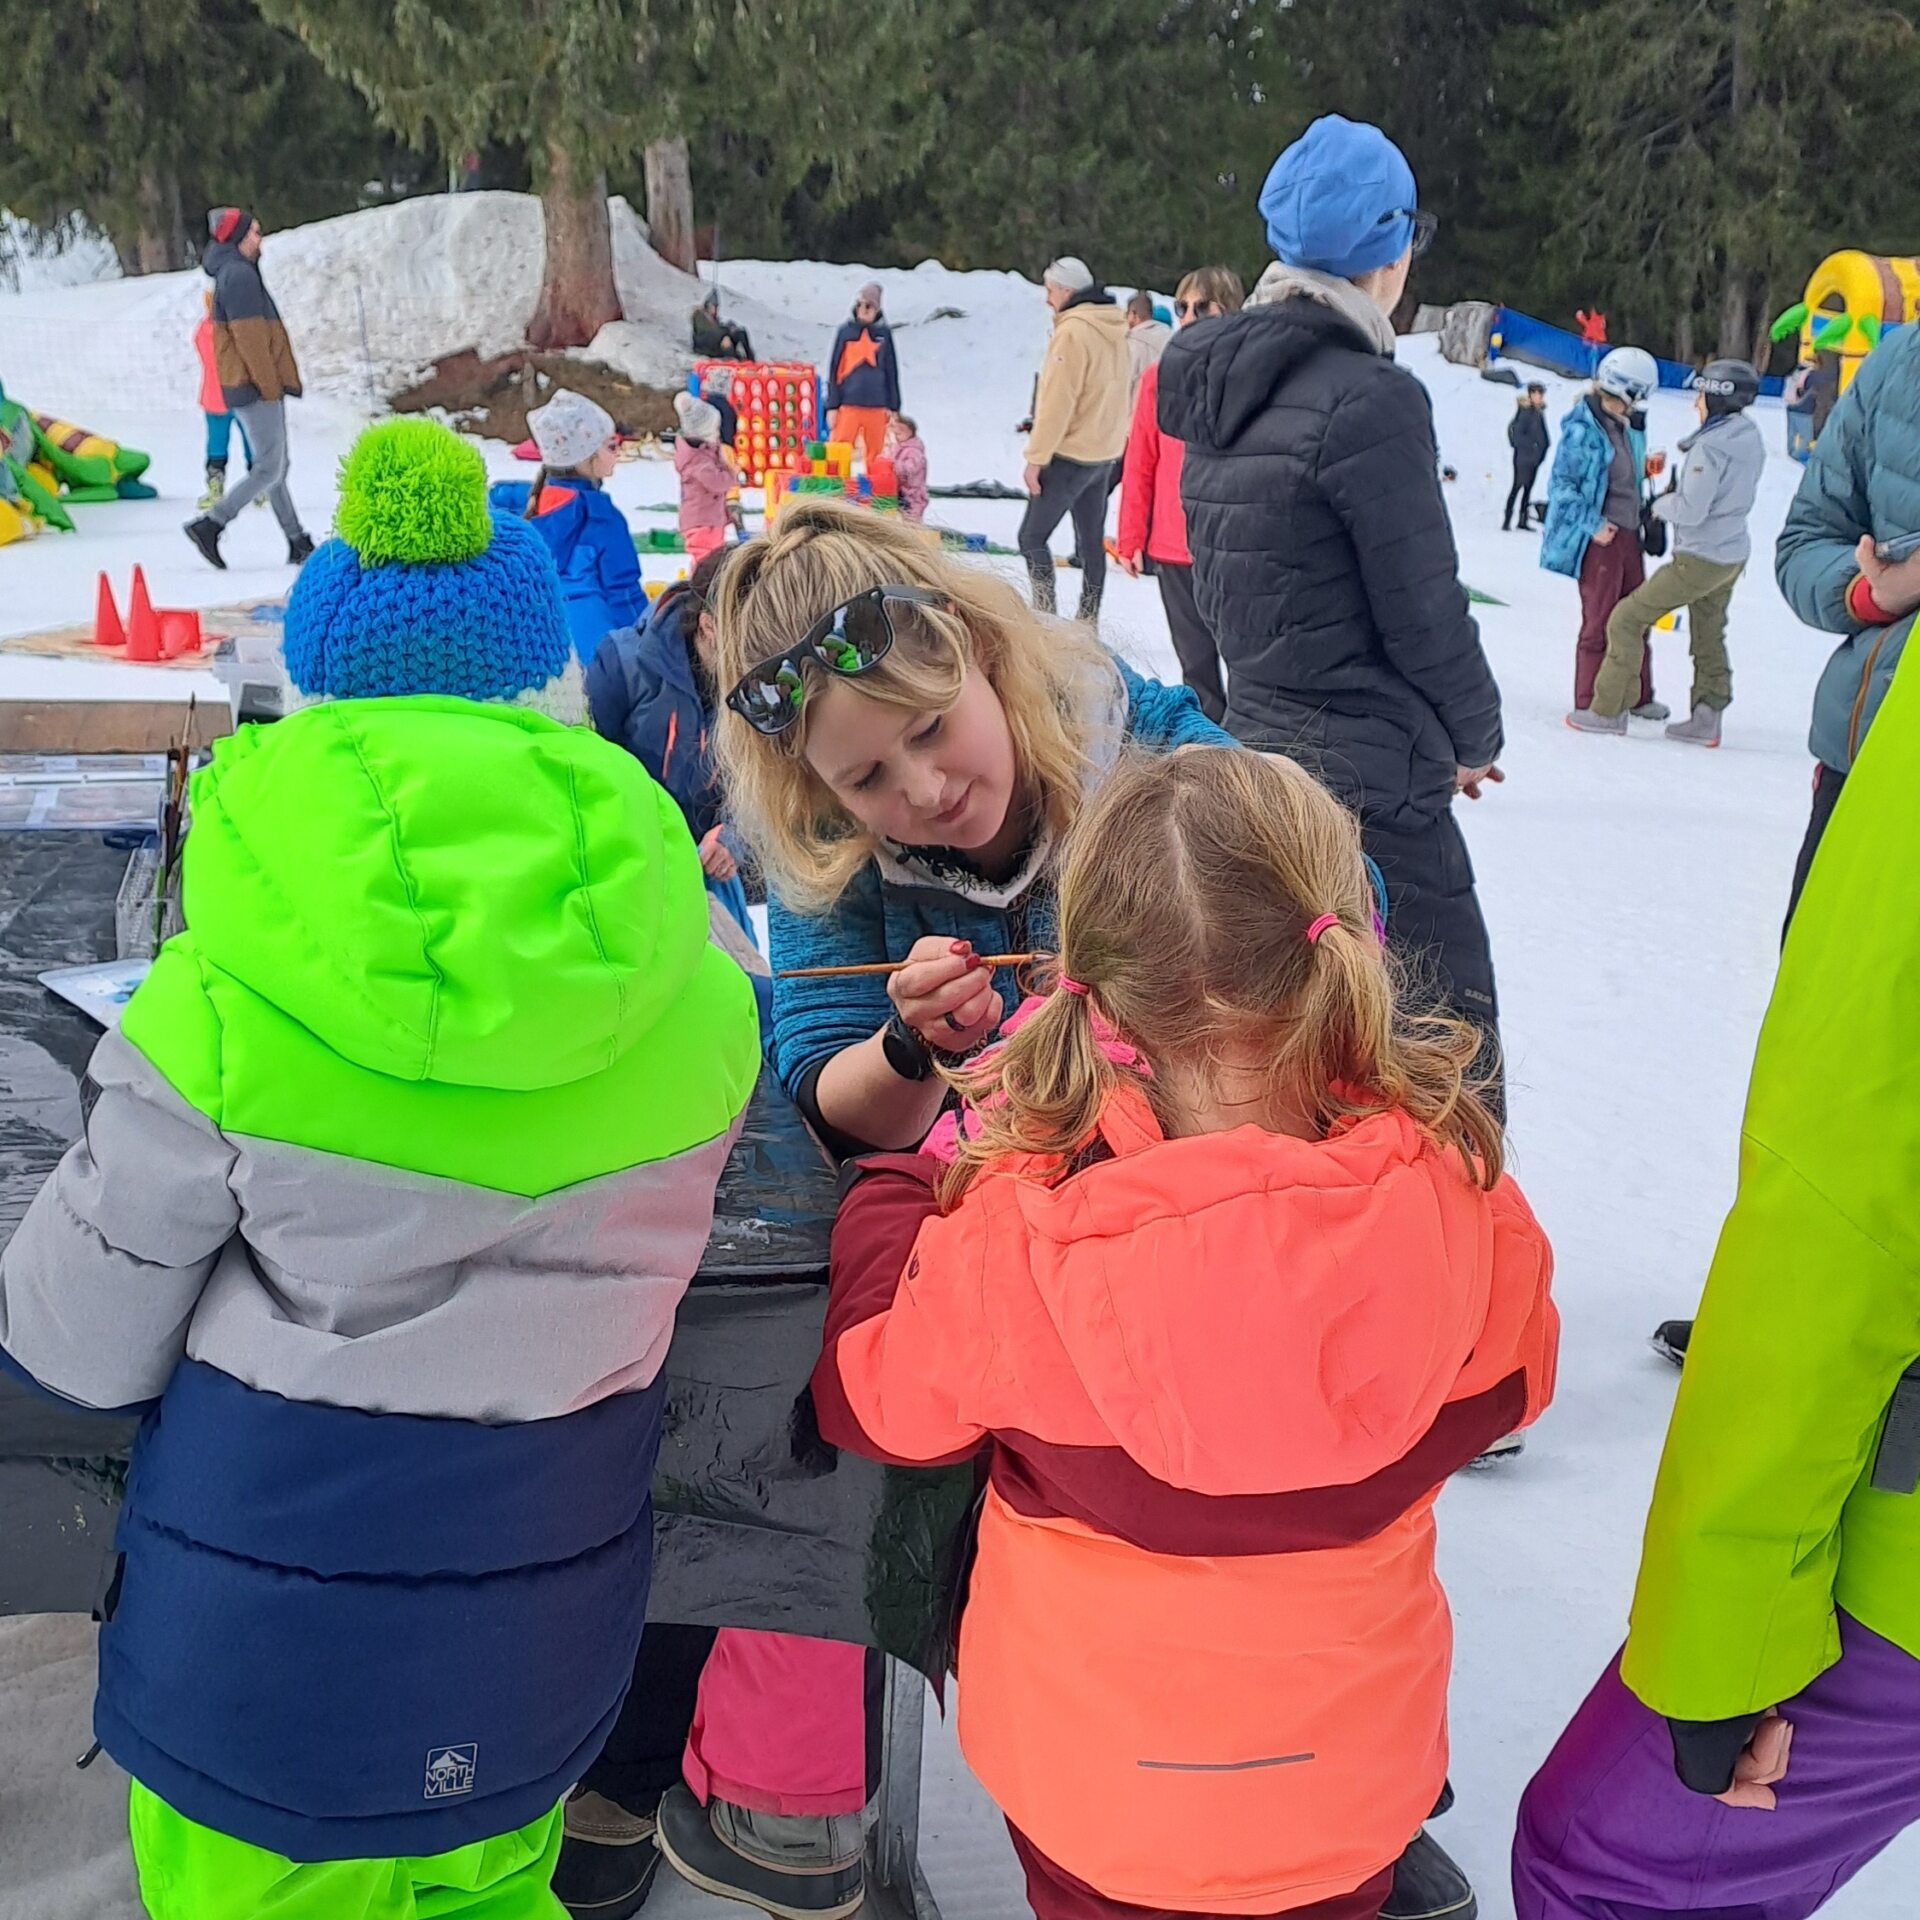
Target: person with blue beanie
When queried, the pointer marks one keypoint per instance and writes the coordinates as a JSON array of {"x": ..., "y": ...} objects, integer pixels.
[
  {"x": 1323, "y": 560},
  {"x": 392, "y": 1176}
]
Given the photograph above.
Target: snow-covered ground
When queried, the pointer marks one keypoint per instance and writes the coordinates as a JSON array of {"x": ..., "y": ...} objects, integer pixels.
[{"x": 1634, "y": 890}]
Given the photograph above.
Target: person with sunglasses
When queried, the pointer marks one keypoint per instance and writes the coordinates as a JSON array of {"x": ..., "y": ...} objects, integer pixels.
[
  {"x": 903, "y": 743},
  {"x": 1153, "y": 525},
  {"x": 1323, "y": 559}
]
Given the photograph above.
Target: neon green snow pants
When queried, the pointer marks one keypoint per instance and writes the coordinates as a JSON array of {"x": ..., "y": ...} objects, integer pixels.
[{"x": 189, "y": 1872}]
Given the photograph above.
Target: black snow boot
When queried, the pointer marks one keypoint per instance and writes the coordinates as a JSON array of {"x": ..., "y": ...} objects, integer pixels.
[
  {"x": 1670, "y": 1340},
  {"x": 205, "y": 534},
  {"x": 1046, "y": 597},
  {"x": 793, "y": 1866},
  {"x": 299, "y": 550},
  {"x": 1427, "y": 1885},
  {"x": 608, "y": 1860}
]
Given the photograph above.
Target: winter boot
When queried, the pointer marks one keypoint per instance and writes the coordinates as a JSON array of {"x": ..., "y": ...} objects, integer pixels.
[
  {"x": 299, "y": 550},
  {"x": 793, "y": 1866},
  {"x": 1427, "y": 1885},
  {"x": 1703, "y": 730},
  {"x": 1670, "y": 1339},
  {"x": 1585, "y": 720},
  {"x": 216, "y": 484},
  {"x": 608, "y": 1860},
  {"x": 1652, "y": 710},
  {"x": 1508, "y": 1447},
  {"x": 1088, "y": 611},
  {"x": 1046, "y": 598},
  {"x": 205, "y": 534}
]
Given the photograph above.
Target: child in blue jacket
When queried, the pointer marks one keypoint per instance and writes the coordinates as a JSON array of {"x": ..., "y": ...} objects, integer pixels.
[
  {"x": 650, "y": 687},
  {"x": 586, "y": 533}
]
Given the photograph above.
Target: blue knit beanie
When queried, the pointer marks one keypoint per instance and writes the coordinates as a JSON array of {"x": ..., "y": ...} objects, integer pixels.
[
  {"x": 424, "y": 591},
  {"x": 1339, "y": 200}
]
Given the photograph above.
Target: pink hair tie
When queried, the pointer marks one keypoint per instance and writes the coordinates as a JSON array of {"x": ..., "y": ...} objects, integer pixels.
[
  {"x": 1074, "y": 987},
  {"x": 1318, "y": 927}
]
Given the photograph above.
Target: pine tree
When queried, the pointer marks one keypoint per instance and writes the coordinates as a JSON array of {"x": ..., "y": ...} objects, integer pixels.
[
  {"x": 1133, "y": 132},
  {"x": 585, "y": 86},
  {"x": 138, "y": 118},
  {"x": 1686, "y": 168}
]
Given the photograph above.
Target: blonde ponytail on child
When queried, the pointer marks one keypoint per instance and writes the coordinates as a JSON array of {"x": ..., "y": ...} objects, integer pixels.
[{"x": 1214, "y": 905}]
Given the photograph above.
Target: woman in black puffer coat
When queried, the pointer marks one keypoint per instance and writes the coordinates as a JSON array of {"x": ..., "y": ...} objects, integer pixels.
[{"x": 1323, "y": 559}]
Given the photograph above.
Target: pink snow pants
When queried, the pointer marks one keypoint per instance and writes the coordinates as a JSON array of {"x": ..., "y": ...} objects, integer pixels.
[{"x": 781, "y": 1725}]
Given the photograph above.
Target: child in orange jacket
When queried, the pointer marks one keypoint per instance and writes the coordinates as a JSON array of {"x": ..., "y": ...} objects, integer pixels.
[
  {"x": 1223, "y": 1319},
  {"x": 220, "y": 423}
]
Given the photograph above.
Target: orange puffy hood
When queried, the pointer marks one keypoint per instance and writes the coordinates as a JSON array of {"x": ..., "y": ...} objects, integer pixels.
[{"x": 1247, "y": 1313}]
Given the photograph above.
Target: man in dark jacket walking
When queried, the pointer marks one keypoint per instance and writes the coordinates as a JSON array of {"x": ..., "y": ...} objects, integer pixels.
[
  {"x": 258, "y": 375},
  {"x": 863, "y": 377},
  {"x": 1323, "y": 559},
  {"x": 1527, "y": 436}
]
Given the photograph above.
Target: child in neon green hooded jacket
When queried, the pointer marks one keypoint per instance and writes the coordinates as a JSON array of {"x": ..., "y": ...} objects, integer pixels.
[
  {"x": 393, "y": 1177},
  {"x": 1776, "y": 1624}
]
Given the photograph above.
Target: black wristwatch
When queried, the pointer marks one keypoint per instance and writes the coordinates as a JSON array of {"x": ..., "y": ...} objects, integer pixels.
[{"x": 907, "y": 1054}]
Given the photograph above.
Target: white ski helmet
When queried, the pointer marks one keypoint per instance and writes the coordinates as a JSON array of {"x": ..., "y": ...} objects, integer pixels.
[{"x": 1628, "y": 373}]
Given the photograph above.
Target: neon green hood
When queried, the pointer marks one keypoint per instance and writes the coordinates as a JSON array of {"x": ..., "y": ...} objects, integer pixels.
[{"x": 445, "y": 891}]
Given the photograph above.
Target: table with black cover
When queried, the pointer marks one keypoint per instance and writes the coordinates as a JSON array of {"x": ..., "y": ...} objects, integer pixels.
[{"x": 758, "y": 1522}]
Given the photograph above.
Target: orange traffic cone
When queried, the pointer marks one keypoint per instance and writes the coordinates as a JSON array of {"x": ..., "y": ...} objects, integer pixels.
[
  {"x": 143, "y": 630},
  {"x": 107, "y": 630}
]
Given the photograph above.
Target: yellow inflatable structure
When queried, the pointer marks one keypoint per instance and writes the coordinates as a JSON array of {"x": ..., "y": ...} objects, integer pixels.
[
  {"x": 1851, "y": 300},
  {"x": 47, "y": 465}
]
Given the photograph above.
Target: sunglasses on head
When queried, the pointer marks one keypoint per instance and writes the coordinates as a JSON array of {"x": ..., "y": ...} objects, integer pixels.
[
  {"x": 1425, "y": 226},
  {"x": 848, "y": 640},
  {"x": 1199, "y": 309}
]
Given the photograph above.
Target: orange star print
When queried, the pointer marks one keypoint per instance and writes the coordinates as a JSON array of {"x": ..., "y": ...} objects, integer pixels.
[{"x": 861, "y": 351}]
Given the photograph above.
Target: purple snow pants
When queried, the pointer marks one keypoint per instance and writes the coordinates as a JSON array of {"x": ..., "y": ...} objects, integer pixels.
[{"x": 1607, "y": 1832}]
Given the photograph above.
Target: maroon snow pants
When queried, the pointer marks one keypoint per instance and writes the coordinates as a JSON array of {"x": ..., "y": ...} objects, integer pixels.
[{"x": 1607, "y": 575}]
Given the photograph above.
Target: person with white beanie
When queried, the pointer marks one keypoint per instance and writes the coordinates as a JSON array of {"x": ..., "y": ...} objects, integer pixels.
[
  {"x": 588, "y": 536},
  {"x": 863, "y": 377},
  {"x": 1079, "y": 431},
  {"x": 705, "y": 477}
]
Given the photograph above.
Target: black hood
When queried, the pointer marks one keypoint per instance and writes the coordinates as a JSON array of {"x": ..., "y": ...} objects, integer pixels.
[
  {"x": 1217, "y": 378},
  {"x": 1093, "y": 296}
]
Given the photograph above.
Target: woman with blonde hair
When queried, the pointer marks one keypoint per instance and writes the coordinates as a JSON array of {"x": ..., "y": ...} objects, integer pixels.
[
  {"x": 1153, "y": 524},
  {"x": 905, "y": 744}
]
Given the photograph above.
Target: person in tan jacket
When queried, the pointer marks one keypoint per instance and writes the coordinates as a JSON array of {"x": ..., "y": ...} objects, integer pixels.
[{"x": 1079, "y": 431}]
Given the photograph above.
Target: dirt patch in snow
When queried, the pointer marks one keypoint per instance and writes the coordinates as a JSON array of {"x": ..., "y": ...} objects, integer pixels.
[{"x": 491, "y": 396}]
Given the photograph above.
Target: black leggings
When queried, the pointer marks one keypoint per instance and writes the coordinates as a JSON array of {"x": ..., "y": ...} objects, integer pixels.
[
  {"x": 1826, "y": 796},
  {"x": 1079, "y": 488},
  {"x": 1522, "y": 491},
  {"x": 1434, "y": 926}
]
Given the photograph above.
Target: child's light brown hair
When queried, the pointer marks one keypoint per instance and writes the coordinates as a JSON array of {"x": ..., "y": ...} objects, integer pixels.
[{"x": 1186, "y": 896}]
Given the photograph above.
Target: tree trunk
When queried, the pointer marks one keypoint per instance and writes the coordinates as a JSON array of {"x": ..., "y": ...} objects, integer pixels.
[
  {"x": 158, "y": 238},
  {"x": 1736, "y": 316},
  {"x": 577, "y": 291},
  {"x": 670, "y": 203},
  {"x": 1683, "y": 336}
]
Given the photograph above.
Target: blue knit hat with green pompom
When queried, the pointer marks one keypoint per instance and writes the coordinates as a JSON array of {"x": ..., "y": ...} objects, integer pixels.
[{"x": 423, "y": 590}]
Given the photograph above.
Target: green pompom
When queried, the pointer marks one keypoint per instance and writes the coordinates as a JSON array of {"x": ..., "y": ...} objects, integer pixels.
[{"x": 413, "y": 491}]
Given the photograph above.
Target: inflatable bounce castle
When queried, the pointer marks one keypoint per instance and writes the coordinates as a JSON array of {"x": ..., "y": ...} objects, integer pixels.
[{"x": 47, "y": 465}]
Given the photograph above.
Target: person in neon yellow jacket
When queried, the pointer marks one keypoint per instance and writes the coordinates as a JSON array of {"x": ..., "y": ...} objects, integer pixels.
[
  {"x": 391, "y": 1182},
  {"x": 1776, "y": 1623}
]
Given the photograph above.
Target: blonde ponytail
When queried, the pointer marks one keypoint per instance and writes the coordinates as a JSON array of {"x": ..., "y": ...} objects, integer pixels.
[
  {"x": 1039, "y": 1092},
  {"x": 1215, "y": 901}
]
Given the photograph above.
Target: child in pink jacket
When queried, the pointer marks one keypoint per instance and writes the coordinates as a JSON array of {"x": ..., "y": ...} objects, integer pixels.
[
  {"x": 705, "y": 477},
  {"x": 908, "y": 452}
]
